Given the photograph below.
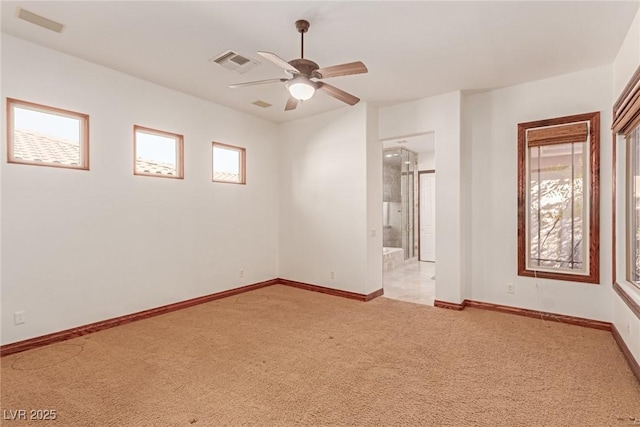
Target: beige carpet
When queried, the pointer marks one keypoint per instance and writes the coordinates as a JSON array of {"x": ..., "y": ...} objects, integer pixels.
[{"x": 286, "y": 357}]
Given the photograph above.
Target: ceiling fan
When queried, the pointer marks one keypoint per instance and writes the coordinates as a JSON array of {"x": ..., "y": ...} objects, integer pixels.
[{"x": 302, "y": 70}]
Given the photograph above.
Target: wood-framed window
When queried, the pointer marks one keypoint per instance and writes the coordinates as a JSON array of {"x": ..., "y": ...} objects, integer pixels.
[
  {"x": 558, "y": 198},
  {"x": 157, "y": 153},
  {"x": 229, "y": 163},
  {"x": 626, "y": 206},
  {"x": 46, "y": 136}
]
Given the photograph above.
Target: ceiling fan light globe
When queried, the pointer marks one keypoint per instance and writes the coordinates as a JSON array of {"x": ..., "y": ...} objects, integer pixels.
[{"x": 301, "y": 88}]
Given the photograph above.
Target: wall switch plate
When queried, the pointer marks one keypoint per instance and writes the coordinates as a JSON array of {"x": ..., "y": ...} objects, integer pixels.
[
  {"x": 333, "y": 275},
  {"x": 19, "y": 318},
  {"x": 241, "y": 273},
  {"x": 510, "y": 288},
  {"x": 373, "y": 232}
]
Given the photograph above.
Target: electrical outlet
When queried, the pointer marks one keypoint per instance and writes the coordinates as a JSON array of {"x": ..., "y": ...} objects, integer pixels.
[
  {"x": 333, "y": 275},
  {"x": 510, "y": 288},
  {"x": 241, "y": 273},
  {"x": 19, "y": 318}
]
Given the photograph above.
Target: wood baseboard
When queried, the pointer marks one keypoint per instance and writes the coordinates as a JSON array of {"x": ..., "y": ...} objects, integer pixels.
[
  {"x": 374, "y": 295},
  {"x": 580, "y": 321},
  {"x": 562, "y": 318},
  {"x": 449, "y": 305},
  {"x": 43, "y": 340},
  {"x": 330, "y": 291},
  {"x": 633, "y": 363},
  {"x": 79, "y": 331}
]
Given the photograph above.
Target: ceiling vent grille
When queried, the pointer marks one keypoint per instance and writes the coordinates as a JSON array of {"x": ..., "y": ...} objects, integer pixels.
[
  {"x": 262, "y": 104},
  {"x": 234, "y": 62},
  {"x": 39, "y": 20}
]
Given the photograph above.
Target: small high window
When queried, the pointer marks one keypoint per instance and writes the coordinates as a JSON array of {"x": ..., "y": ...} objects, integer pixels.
[
  {"x": 157, "y": 153},
  {"x": 228, "y": 164},
  {"x": 46, "y": 136},
  {"x": 558, "y": 186}
]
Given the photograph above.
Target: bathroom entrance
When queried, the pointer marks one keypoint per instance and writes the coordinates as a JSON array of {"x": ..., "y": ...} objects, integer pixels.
[{"x": 408, "y": 222}]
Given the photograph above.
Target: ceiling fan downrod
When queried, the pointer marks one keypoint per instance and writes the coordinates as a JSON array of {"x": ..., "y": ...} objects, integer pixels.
[{"x": 302, "y": 26}]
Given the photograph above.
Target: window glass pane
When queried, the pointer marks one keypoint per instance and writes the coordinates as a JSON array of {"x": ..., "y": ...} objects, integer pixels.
[
  {"x": 156, "y": 154},
  {"x": 634, "y": 207},
  {"x": 227, "y": 164},
  {"x": 46, "y": 137},
  {"x": 534, "y": 207},
  {"x": 556, "y": 206},
  {"x": 580, "y": 229}
]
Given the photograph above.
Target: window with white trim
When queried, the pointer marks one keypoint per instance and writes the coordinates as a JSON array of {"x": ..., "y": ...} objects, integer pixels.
[
  {"x": 228, "y": 163},
  {"x": 157, "y": 153},
  {"x": 46, "y": 136},
  {"x": 558, "y": 186}
]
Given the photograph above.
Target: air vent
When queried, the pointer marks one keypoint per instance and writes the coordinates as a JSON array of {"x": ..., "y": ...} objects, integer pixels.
[
  {"x": 234, "y": 62},
  {"x": 262, "y": 104},
  {"x": 39, "y": 20}
]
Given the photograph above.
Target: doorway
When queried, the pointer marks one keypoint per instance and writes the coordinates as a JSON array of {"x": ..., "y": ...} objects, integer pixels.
[{"x": 408, "y": 222}]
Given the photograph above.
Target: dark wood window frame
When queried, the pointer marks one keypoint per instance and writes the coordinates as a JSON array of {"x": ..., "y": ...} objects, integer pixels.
[
  {"x": 84, "y": 134},
  {"x": 593, "y": 275},
  {"x": 626, "y": 117}
]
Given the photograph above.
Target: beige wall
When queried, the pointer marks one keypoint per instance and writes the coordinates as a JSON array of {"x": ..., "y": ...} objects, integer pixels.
[
  {"x": 626, "y": 322},
  {"x": 439, "y": 114},
  {"x": 323, "y": 187},
  {"x": 491, "y": 120},
  {"x": 84, "y": 246}
]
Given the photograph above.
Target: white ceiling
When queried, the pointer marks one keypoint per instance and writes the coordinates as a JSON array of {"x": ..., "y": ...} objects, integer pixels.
[{"x": 412, "y": 49}]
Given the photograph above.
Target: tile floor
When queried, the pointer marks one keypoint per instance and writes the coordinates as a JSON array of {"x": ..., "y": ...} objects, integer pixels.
[{"x": 412, "y": 282}]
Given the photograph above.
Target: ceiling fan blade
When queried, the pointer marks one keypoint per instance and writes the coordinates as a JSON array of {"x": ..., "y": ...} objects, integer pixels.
[
  {"x": 338, "y": 94},
  {"x": 292, "y": 103},
  {"x": 258, "y": 82},
  {"x": 341, "y": 70},
  {"x": 279, "y": 62}
]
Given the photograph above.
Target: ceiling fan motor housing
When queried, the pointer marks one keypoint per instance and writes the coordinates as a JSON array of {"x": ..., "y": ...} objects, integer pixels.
[
  {"x": 302, "y": 25},
  {"x": 305, "y": 66}
]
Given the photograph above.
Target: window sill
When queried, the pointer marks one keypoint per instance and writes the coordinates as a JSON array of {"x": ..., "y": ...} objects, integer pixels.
[
  {"x": 593, "y": 278},
  {"x": 630, "y": 295}
]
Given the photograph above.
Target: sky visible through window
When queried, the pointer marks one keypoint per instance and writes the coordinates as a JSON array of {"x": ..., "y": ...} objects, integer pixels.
[
  {"x": 150, "y": 147},
  {"x": 226, "y": 160},
  {"x": 52, "y": 125},
  {"x": 156, "y": 148}
]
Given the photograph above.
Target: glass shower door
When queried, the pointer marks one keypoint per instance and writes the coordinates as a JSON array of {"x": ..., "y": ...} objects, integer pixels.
[{"x": 408, "y": 186}]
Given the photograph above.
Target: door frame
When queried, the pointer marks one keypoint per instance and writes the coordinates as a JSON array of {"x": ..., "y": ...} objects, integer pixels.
[{"x": 421, "y": 172}]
